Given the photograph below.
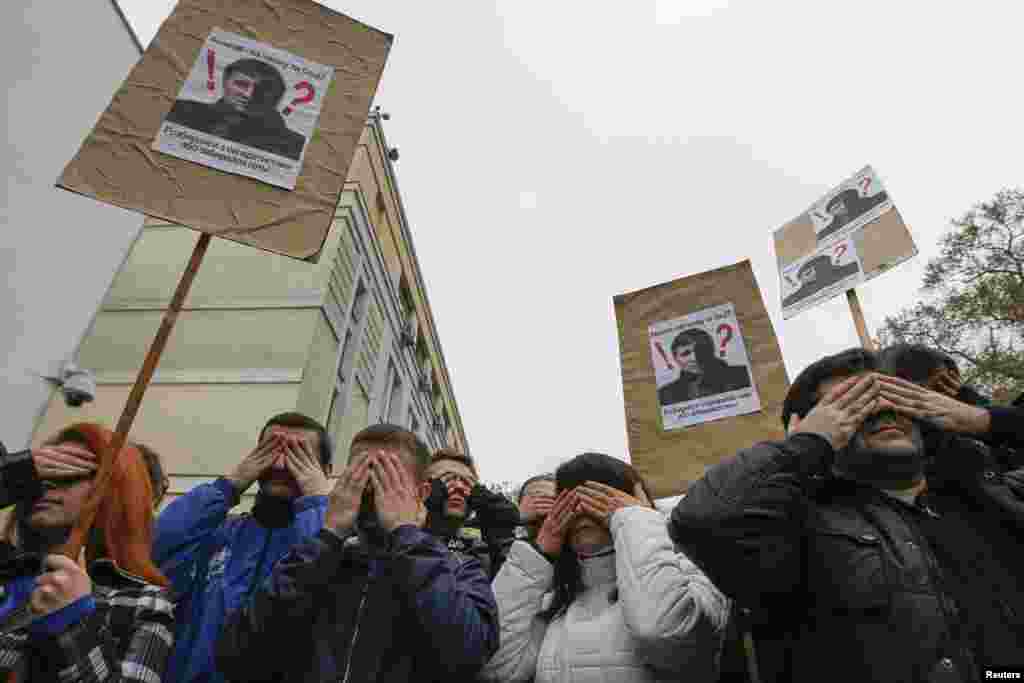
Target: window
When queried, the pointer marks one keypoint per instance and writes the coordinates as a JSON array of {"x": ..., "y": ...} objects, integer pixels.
[
  {"x": 390, "y": 410},
  {"x": 346, "y": 361}
]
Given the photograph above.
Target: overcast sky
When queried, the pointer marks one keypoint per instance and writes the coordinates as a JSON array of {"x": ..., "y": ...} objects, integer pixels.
[{"x": 554, "y": 154}]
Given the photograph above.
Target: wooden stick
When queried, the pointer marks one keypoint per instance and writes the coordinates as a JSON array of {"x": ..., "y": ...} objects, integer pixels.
[
  {"x": 131, "y": 408},
  {"x": 858, "y": 320}
]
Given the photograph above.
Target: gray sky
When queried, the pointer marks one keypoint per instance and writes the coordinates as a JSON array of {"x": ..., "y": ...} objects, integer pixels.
[{"x": 554, "y": 154}]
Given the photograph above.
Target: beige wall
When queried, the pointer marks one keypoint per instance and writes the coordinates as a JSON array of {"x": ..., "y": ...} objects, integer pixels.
[
  {"x": 199, "y": 430},
  {"x": 254, "y": 338}
]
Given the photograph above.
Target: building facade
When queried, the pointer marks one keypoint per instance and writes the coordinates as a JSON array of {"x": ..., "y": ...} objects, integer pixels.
[
  {"x": 350, "y": 341},
  {"x": 60, "y": 250}
]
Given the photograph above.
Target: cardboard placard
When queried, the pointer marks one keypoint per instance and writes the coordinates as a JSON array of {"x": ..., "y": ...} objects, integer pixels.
[
  {"x": 234, "y": 103},
  {"x": 671, "y": 455},
  {"x": 849, "y": 236}
]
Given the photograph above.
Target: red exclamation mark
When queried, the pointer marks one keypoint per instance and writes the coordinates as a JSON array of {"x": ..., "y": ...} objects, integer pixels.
[
  {"x": 664, "y": 356},
  {"x": 211, "y": 84}
]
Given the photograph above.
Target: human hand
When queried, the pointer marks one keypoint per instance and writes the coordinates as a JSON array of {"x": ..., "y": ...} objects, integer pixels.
[
  {"x": 64, "y": 461},
  {"x": 945, "y": 381},
  {"x": 59, "y": 587},
  {"x": 600, "y": 501},
  {"x": 493, "y": 509},
  {"x": 935, "y": 408},
  {"x": 305, "y": 467},
  {"x": 394, "y": 493},
  {"x": 255, "y": 464},
  {"x": 839, "y": 415},
  {"x": 344, "y": 499},
  {"x": 534, "y": 508},
  {"x": 552, "y": 532}
]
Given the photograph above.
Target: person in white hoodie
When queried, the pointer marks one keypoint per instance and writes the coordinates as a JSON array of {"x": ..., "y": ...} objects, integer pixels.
[{"x": 602, "y": 594}]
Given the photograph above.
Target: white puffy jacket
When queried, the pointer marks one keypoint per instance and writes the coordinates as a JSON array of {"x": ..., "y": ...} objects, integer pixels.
[{"x": 666, "y": 625}]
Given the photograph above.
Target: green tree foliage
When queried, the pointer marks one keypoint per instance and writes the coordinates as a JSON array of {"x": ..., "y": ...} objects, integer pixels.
[{"x": 973, "y": 297}]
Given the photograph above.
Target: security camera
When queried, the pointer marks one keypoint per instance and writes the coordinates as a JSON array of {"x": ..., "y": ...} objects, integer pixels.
[{"x": 79, "y": 386}]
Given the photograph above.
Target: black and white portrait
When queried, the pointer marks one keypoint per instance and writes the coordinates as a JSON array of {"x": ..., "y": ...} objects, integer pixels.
[
  {"x": 701, "y": 372},
  {"x": 246, "y": 108},
  {"x": 247, "y": 111},
  {"x": 818, "y": 273},
  {"x": 846, "y": 207},
  {"x": 701, "y": 368}
]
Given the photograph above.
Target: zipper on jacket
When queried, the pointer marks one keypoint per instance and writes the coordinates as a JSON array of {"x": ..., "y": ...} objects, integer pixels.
[{"x": 355, "y": 631}]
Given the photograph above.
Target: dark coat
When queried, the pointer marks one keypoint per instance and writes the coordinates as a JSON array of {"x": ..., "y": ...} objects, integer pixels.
[
  {"x": 849, "y": 584},
  {"x": 719, "y": 378},
  {"x": 341, "y": 610},
  {"x": 267, "y": 132}
]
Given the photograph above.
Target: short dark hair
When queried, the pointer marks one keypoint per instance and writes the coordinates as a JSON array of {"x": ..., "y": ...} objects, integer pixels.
[
  {"x": 300, "y": 421},
  {"x": 272, "y": 87},
  {"x": 822, "y": 262},
  {"x": 385, "y": 433},
  {"x": 914, "y": 362},
  {"x": 704, "y": 345},
  {"x": 847, "y": 196},
  {"x": 803, "y": 393},
  {"x": 455, "y": 456},
  {"x": 547, "y": 476}
]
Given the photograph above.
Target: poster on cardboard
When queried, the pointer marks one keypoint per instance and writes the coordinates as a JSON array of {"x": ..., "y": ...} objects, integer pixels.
[
  {"x": 247, "y": 108},
  {"x": 241, "y": 120},
  {"x": 850, "y": 235},
  {"x": 858, "y": 200},
  {"x": 702, "y": 371},
  {"x": 826, "y": 273}
]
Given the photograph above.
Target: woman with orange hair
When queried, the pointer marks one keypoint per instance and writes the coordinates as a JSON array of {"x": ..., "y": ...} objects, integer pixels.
[{"x": 58, "y": 621}]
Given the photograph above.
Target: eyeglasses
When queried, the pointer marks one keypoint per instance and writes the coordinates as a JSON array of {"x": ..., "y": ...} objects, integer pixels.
[{"x": 451, "y": 476}]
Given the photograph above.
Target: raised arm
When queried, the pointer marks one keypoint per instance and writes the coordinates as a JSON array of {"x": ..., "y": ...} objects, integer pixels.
[
  {"x": 676, "y": 615},
  {"x": 742, "y": 523}
]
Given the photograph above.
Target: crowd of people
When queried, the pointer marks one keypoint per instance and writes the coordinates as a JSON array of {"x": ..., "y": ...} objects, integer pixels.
[{"x": 879, "y": 540}]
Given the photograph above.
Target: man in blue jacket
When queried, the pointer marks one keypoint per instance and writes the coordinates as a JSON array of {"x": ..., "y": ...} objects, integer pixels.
[
  {"x": 373, "y": 597},
  {"x": 215, "y": 561}
]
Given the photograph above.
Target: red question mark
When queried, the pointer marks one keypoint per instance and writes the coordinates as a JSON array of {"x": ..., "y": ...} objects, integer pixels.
[
  {"x": 865, "y": 183},
  {"x": 838, "y": 253},
  {"x": 211, "y": 84},
  {"x": 308, "y": 97},
  {"x": 664, "y": 356},
  {"x": 726, "y": 338}
]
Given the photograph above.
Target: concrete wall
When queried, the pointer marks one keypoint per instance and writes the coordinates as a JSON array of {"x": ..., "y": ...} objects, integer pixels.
[{"x": 59, "y": 251}]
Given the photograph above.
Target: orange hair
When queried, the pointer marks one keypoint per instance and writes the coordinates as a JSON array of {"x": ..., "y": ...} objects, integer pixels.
[{"x": 125, "y": 516}]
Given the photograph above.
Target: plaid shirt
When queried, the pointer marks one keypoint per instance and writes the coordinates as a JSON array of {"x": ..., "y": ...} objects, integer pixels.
[{"x": 127, "y": 638}]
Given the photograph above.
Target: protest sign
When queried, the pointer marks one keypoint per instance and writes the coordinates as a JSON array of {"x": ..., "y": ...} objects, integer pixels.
[
  {"x": 677, "y": 425},
  {"x": 849, "y": 236},
  {"x": 240, "y": 121},
  {"x": 237, "y": 127},
  {"x": 701, "y": 368}
]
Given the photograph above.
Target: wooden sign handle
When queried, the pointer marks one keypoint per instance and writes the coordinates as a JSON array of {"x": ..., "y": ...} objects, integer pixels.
[
  {"x": 858, "y": 320},
  {"x": 108, "y": 459}
]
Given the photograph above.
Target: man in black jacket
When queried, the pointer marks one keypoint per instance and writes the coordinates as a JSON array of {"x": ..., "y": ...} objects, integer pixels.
[
  {"x": 373, "y": 597},
  {"x": 247, "y": 113},
  {"x": 702, "y": 373},
  {"x": 856, "y": 565},
  {"x": 456, "y": 495}
]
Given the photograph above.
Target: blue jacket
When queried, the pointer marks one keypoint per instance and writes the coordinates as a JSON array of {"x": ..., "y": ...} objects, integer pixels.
[
  {"x": 406, "y": 610},
  {"x": 214, "y": 562}
]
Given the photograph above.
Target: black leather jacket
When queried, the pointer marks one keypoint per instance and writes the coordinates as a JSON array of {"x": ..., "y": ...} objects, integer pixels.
[{"x": 849, "y": 584}]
